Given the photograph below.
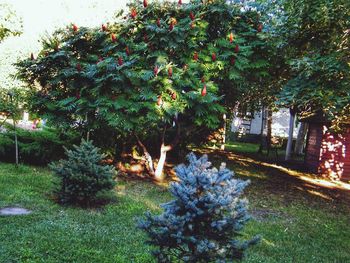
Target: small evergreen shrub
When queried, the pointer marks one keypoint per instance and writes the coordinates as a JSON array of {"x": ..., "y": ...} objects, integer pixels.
[
  {"x": 82, "y": 176},
  {"x": 204, "y": 221},
  {"x": 38, "y": 147}
]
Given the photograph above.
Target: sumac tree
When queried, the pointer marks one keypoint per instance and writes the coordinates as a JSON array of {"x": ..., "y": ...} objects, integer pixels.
[{"x": 157, "y": 68}]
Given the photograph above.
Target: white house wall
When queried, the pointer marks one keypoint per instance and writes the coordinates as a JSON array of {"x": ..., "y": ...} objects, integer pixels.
[
  {"x": 280, "y": 124},
  {"x": 255, "y": 127}
]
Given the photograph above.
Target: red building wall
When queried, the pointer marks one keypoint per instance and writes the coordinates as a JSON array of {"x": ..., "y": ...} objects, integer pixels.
[
  {"x": 327, "y": 153},
  {"x": 314, "y": 140}
]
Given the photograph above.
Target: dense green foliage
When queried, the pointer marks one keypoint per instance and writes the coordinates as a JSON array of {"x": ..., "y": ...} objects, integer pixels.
[
  {"x": 309, "y": 68},
  {"x": 82, "y": 175},
  {"x": 313, "y": 37},
  {"x": 118, "y": 74},
  {"x": 204, "y": 221},
  {"x": 35, "y": 147}
]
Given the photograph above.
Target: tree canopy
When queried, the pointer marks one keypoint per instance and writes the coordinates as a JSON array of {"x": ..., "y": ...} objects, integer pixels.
[{"x": 315, "y": 43}]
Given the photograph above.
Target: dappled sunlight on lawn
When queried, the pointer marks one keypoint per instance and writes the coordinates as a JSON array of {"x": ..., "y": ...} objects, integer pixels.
[
  {"x": 275, "y": 180},
  {"x": 145, "y": 193},
  {"x": 268, "y": 243},
  {"x": 310, "y": 178},
  {"x": 281, "y": 182},
  {"x": 247, "y": 173},
  {"x": 319, "y": 194}
]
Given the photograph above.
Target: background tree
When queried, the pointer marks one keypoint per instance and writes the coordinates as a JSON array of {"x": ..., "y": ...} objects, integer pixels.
[
  {"x": 10, "y": 23},
  {"x": 264, "y": 83},
  {"x": 310, "y": 68},
  {"x": 11, "y": 107},
  {"x": 315, "y": 44}
]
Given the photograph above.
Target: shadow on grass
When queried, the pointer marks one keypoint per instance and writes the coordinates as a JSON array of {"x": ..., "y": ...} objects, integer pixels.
[
  {"x": 96, "y": 202},
  {"x": 269, "y": 181},
  {"x": 273, "y": 180}
]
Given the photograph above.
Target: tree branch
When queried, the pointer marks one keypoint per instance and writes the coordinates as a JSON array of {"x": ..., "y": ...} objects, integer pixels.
[
  {"x": 163, "y": 135},
  {"x": 147, "y": 155},
  {"x": 3, "y": 122}
]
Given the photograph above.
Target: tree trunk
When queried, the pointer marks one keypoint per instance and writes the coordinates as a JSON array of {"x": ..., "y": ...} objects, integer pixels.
[
  {"x": 158, "y": 175},
  {"x": 269, "y": 130},
  {"x": 290, "y": 135},
  {"x": 148, "y": 157},
  {"x": 223, "y": 133},
  {"x": 88, "y": 130},
  {"x": 262, "y": 137},
  {"x": 16, "y": 141},
  {"x": 299, "y": 144}
]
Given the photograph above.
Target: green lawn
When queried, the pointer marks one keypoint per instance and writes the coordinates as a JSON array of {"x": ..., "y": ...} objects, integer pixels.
[
  {"x": 299, "y": 221},
  {"x": 251, "y": 149}
]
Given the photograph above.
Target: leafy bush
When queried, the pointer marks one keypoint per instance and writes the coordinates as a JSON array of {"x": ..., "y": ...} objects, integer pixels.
[
  {"x": 204, "y": 221},
  {"x": 5, "y": 144},
  {"x": 35, "y": 147},
  {"x": 82, "y": 176}
]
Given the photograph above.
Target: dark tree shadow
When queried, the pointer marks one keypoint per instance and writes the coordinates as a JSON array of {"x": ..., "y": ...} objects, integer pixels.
[{"x": 289, "y": 185}]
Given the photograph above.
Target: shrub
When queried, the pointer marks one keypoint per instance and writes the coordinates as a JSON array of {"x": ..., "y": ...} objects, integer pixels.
[
  {"x": 204, "y": 221},
  {"x": 35, "y": 147},
  {"x": 82, "y": 176}
]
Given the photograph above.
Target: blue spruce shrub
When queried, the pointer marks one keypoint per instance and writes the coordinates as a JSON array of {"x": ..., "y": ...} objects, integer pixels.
[
  {"x": 82, "y": 176},
  {"x": 204, "y": 221}
]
